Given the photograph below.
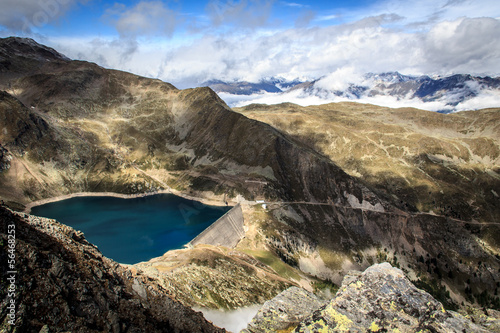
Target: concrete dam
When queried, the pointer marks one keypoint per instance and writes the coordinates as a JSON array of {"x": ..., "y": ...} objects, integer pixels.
[{"x": 226, "y": 231}]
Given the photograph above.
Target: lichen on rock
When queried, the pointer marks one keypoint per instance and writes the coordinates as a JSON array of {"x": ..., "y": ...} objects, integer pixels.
[
  {"x": 382, "y": 299},
  {"x": 284, "y": 311}
]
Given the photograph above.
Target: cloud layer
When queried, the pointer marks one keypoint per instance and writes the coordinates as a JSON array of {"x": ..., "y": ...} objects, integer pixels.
[
  {"x": 26, "y": 16},
  {"x": 449, "y": 94},
  {"x": 485, "y": 99},
  {"x": 465, "y": 45},
  {"x": 145, "y": 18}
]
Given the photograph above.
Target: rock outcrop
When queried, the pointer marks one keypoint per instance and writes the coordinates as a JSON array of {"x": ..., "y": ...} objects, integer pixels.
[
  {"x": 63, "y": 283},
  {"x": 381, "y": 299},
  {"x": 214, "y": 277},
  {"x": 285, "y": 310}
]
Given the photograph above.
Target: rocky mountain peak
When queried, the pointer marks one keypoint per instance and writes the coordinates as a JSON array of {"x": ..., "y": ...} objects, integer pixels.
[
  {"x": 29, "y": 48},
  {"x": 24, "y": 55}
]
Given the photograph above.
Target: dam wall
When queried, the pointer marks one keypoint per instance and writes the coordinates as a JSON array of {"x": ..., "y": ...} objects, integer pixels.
[{"x": 226, "y": 231}]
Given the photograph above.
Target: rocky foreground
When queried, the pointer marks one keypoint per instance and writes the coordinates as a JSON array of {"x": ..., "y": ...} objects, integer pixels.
[{"x": 381, "y": 299}]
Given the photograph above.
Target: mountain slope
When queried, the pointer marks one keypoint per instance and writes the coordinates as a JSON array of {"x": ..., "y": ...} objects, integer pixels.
[
  {"x": 445, "y": 164},
  {"x": 104, "y": 124}
]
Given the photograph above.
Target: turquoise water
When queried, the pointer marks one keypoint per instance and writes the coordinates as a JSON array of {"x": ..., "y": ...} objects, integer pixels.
[{"x": 134, "y": 230}]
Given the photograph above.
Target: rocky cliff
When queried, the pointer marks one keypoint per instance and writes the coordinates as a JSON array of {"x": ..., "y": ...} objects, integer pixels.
[{"x": 63, "y": 283}]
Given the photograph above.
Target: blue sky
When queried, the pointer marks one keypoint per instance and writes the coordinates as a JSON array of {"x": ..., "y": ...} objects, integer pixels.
[
  {"x": 102, "y": 17},
  {"x": 189, "y": 42}
]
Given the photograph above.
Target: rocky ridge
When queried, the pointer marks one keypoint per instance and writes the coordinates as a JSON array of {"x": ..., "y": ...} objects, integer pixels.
[{"x": 194, "y": 277}]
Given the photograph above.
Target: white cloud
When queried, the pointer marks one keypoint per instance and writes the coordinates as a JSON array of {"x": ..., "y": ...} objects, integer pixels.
[
  {"x": 305, "y": 18},
  {"x": 243, "y": 13},
  {"x": 317, "y": 95},
  {"x": 145, "y": 18},
  {"x": 293, "y": 4},
  {"x": 328, "y": 17},
  {"x": 460, "y": 46},
  {"x": 485, "y": 99},
  {"x": 294, "y": 96},
  {"x": 488, "y": 99},
  {"x": 27, "y": 16},
  {"x": 463, "y": 45},
  {"x": 233, "y": 321}
]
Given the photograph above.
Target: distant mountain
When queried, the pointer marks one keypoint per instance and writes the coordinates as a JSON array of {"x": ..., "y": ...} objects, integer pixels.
[
  {"x": 457, "y": 87},
  {"x": 270, "y": 85},
  {"x": 449, "y": 91}
]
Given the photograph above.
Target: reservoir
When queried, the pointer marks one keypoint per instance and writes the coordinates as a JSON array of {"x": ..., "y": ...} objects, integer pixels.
[{"x": 137, "y": 229}]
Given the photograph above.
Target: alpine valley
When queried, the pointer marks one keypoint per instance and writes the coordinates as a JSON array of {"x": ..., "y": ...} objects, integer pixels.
[{"x": 326, "y": 192}]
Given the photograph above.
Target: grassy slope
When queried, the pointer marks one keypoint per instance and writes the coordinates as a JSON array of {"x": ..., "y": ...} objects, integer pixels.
[{"x": 446, "y": 164}]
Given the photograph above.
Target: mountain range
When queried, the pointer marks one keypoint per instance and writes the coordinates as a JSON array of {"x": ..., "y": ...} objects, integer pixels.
[
  {"x": 450, "y": 90},
  {"x": 345, "y": 185}
]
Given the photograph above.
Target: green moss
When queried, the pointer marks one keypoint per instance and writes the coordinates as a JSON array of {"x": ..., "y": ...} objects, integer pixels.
[
  {"x": 325, "y": 284},
  {"x": 331, "y": 259},
  {"x": 270, "y": 259}
]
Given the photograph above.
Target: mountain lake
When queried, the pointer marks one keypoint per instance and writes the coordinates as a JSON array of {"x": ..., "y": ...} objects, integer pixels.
[{"x": 134, "y": 229}]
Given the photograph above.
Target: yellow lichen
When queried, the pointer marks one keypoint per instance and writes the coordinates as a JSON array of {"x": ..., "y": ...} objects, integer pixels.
[
  {"x": 318, "y": 326},
  {"x": 343, "y": 323},
  {"x": 374, "y": 327},
  {"x": 288, "y": 330}
]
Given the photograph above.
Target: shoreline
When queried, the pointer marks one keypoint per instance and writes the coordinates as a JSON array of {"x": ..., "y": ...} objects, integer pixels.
[{"x": 205, "y": 201}]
